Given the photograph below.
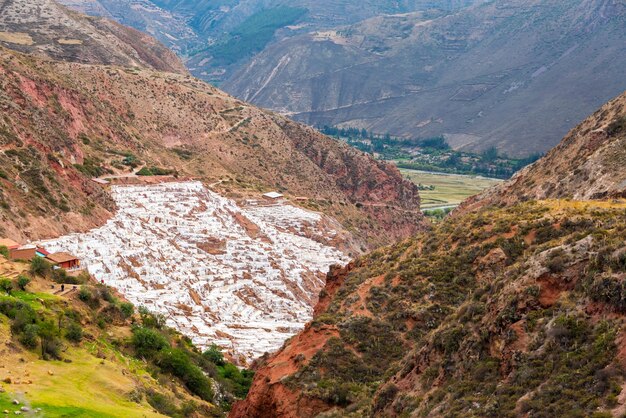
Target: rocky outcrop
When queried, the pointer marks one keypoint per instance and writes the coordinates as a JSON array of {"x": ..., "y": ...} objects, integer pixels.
[{"x": 269, "y": 396}]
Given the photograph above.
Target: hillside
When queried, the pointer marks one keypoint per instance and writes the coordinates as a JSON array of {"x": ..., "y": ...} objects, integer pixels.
[
  {"x": 476, "y": 76},
  {"x": 44, "y": 28},
  {"x": 83, "y": 351},
  {"x": 64, "y": 123},
  {"x": 498, "y": 311},
  {"x": 587, "y": 164}
]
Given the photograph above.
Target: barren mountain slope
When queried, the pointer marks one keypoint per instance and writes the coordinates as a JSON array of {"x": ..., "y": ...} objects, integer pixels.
[
  {"x": 63, "y": 123},
  {"x": 588, "y": 164},
  {"x": 193, "y": 28},
  {"x": 45, "y": 28},
  {"x": 510, "y": 312},
  {"x": 478, "y": 76}
]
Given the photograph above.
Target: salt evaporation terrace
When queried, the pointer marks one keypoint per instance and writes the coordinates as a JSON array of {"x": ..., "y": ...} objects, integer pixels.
[{"x": 244, "y": 278}]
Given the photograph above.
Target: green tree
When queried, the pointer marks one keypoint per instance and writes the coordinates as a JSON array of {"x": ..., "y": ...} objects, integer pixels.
[
  {"x": 214, "y": 355},
  {"x": 74, "y": 332},
  {"x": 29, "y": 336},
  {"x": 177, "y": 362},
  {"x": 50, "y": 346},
  {"x": 4, "y": 251}
]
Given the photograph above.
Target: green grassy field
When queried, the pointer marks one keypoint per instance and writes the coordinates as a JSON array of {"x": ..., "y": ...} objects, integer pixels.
[{"x": 449, "y": 189}]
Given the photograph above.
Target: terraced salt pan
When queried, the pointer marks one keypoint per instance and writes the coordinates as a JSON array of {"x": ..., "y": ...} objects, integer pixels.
[{"x": 245, "y": 278}]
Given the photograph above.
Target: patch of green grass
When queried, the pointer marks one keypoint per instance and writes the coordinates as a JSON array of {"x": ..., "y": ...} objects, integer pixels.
[
  {"x": 53, "y": 411},
  {"x": 34, "y": 299},
  {"x": 447, "y": 189}
]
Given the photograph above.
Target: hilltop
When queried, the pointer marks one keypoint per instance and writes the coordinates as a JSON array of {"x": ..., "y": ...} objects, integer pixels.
[
  {"x": 477, "y": 75},
  {"x": 515, "y": 310}
]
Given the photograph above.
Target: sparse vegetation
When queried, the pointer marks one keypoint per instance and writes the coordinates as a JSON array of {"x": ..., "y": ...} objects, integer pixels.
[{"x": 482, "y": 327}]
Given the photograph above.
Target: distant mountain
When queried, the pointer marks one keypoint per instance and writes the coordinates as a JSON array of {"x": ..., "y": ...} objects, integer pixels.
[
  {"x": 44, "y": 28},
  {"x": 512, "y": 311},
  {"x": 218, "y": 37},
  {"x": 516, "y": 74}
]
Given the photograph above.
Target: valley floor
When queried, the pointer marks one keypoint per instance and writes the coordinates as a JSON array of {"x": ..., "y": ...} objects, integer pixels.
[{"x": 448, "y": 190}]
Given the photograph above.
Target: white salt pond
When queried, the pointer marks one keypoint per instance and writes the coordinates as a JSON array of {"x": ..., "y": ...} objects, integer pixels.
[{"x": 244, "y": 278}]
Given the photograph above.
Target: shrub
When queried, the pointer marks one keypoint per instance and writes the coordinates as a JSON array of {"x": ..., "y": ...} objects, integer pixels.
[
  {"x": 148, "y": 342},
  {"x": 40, "y": 267},
  {"x": 85, "y": 294},
  {"x": 6, "y": 285},
  {"x": 4, "y": 251},
  {"x": 161, "y": 403},
  {"x": 214, "y": 355},
  {"x": 22, "y": 282},
  {"x": 238, "y": 381},
  {"x": 150, "y": 320},
  {"x": 30, "y": 336},
  {"x": 74, "y": 332},
  {"x": 178, "y": 363},
  {"x": 127, "y": 309},
  {"x": 50, "y": 344}
]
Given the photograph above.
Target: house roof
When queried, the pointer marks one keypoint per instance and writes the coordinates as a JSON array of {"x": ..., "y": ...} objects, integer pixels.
[
  {"x": 61, "y": 257},
  {"x": 43, "y": 251},
  {"x": 273, "y": 195},
  {"x": 9, "y": 243}
]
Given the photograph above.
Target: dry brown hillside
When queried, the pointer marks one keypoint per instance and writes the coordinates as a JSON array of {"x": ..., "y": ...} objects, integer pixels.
[
  {"x": 587, "y": 164},
  {"x": 63, "y": 123},
  {"x": 45, "y": 28}
]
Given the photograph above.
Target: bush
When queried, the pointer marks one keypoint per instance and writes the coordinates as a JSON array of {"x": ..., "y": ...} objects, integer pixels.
[
  {"x": 40, "y": 267},
  {"x": 6, "y": 285},
  {"x": 214, "y": 355},
  {"x": 50, "y": 344},
  {"x": 30, "y": 336},
  {"x": 4, "y": 251},
  {"x": 85, "y": 294},
  {"x": 150, "y": 320},
  {"x": 161, "y": 403},
  {"x": 178, "y": 363},
  {"x": 22, "y": 282},
  {"x": 127, "y": 309},
  {"x": 148, "y": 342},
  {"x": 74, "y": 332}
]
